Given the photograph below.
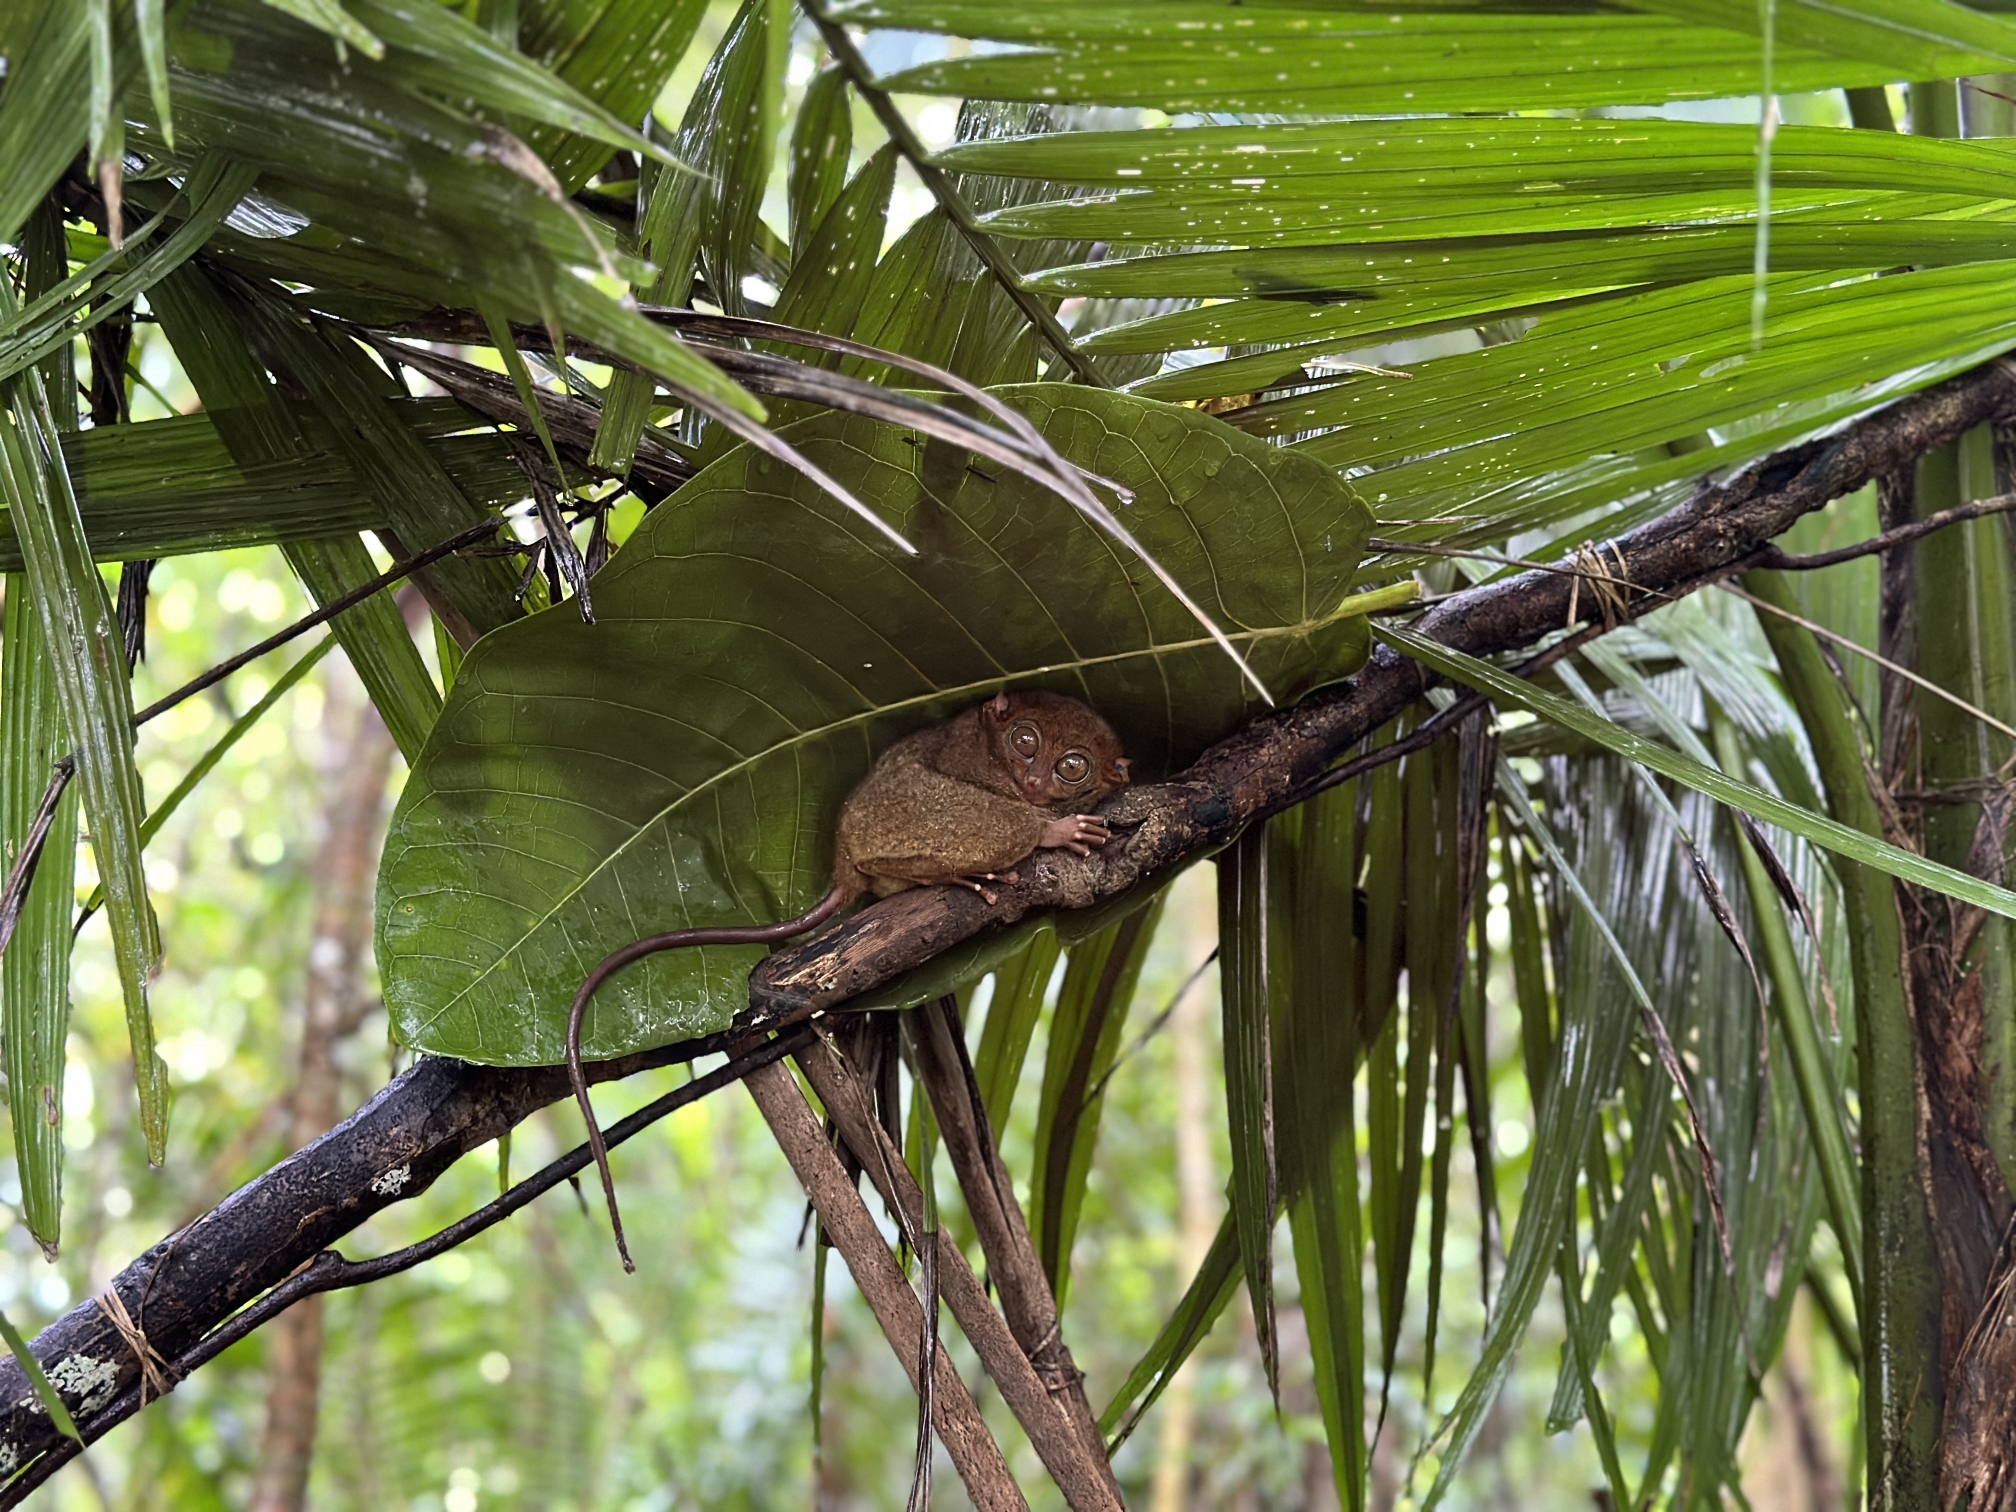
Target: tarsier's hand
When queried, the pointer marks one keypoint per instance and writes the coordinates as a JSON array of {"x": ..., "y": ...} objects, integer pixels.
[{"x": 1080, "y": 834}]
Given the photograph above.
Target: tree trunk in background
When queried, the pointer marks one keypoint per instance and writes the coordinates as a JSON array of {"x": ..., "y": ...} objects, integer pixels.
[{"x": 357, "y": 760}]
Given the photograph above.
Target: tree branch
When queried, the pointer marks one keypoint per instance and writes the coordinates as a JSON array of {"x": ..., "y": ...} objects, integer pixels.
[
  {"x": 183, "y": 1289},
  {"x": 267, "y": 1241}
]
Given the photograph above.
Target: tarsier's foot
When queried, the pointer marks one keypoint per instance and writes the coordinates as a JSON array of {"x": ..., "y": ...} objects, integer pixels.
[
  {"x": 1080, "y": 834},
  {"x": 988, "y": 895}
]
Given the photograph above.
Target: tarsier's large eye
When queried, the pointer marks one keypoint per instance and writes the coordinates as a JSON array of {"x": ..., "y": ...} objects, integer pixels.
[
  {"x": 1025, "y": 740},
  {"x": 1072, "y": 768}
]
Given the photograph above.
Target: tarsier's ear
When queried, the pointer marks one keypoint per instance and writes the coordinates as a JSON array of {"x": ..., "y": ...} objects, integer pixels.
[{"x": 997, "y": 706}]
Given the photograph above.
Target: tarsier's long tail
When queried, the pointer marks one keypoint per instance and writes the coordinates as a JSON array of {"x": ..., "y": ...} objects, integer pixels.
[{"x": 675, "y": 939}]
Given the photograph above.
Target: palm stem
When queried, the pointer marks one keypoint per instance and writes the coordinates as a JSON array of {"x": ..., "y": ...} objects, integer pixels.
[{"x": 947, "y": 194}]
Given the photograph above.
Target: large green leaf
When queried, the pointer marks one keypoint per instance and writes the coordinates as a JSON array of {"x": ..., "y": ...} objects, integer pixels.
[{"x": 681, "y": 760}]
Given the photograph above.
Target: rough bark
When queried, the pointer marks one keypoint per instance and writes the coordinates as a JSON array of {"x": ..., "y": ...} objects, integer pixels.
[
  {"x": 440, "y": 1109},
  {"x": 1951, "y": 962}
]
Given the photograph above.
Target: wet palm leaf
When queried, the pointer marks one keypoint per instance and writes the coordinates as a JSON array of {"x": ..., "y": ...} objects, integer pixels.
[{"x": 1085, "y": 1032}]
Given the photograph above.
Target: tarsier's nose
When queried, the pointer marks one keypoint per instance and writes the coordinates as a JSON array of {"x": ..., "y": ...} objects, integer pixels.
[{"x": 1032, "y": 784}]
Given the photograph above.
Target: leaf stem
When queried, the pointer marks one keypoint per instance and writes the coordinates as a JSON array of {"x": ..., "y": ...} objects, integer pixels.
[{"x": 947, "y": 194}]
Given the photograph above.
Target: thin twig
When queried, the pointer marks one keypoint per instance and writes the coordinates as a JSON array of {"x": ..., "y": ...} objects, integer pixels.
[
  {"x": 322, "y": 616},
  {"x": 22, "y": 874},
  {"x": 1903, "y": 535},
  {"x": 1140, "y": 1041},
  {"x": 947, "y": 194}
]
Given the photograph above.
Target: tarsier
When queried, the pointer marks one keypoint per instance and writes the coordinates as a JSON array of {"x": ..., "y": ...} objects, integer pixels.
[{"x": 960, "y": 803}]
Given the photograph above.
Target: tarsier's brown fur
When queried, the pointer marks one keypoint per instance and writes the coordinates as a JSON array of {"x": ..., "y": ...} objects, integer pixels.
[
  {"x": 964, "y": 801},
  {"x": 959, "y": 803}
]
